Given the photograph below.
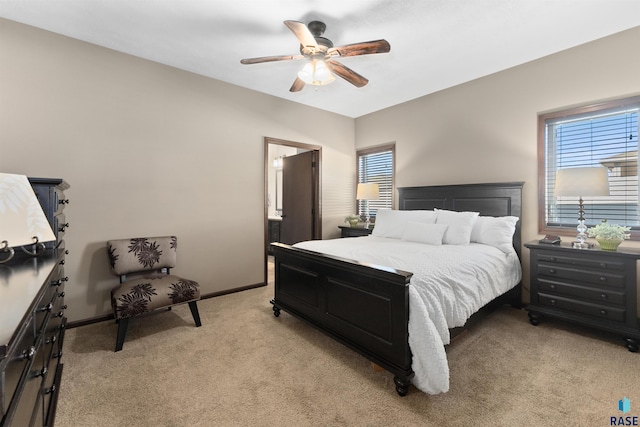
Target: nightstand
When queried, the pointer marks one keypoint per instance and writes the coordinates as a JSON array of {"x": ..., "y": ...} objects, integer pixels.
[
  {"x": 590, "y": 287},
  {"x": 354, "y": 231}
]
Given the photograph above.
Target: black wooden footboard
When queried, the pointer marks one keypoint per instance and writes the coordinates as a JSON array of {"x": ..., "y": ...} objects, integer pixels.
[{"x": 364, "y": 306}]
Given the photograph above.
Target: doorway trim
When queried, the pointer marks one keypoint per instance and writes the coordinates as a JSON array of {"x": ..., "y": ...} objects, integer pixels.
[{"x": 317, "y": 202}]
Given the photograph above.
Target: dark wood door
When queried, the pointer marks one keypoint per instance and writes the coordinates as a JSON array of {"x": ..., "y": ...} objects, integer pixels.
[{"x": 298, "y": 195}]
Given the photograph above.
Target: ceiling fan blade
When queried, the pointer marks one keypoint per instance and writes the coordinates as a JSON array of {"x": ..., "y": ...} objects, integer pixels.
[
  {"x": 364, "y": 48},
  {"x": 297, "y": 85},
  {"x": 347, "y": 73},
  {"x": 270, "y": 59},
  {"x": 303, "y": 34}
]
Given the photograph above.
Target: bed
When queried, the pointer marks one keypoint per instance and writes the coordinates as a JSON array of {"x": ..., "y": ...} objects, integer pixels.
[{"x": 365, "y": 305}]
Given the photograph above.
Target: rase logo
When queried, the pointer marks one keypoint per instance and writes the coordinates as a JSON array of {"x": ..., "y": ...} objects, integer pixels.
[{"x": 624, "y": 406}]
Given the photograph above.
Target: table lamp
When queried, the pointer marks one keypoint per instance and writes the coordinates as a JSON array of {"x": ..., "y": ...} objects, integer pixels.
[
  {"x": 367, "y": 191},
  {"x": 582, "y": 182}
]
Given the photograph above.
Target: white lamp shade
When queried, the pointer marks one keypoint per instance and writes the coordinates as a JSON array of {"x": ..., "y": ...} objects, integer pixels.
[
  {"x": 316, "y": 72},
  {"x": 21, "y": 216},
  {"x": 582, "y": 182},
  {"x": 368, "y": 191}
]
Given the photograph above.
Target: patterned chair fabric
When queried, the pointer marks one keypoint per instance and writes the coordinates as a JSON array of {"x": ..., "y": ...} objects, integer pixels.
[
  {"x": 151, "y": 287},
  {"x": 142, "y": 254}
]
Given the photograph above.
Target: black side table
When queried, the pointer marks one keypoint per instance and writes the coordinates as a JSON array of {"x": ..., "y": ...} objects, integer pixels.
[
  {"x": 591, "y": 287},
  {"x": 354, "y": 231}
]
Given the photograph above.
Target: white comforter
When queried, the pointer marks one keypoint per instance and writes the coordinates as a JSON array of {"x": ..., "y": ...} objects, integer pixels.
[{"x": 449, "y": 284}]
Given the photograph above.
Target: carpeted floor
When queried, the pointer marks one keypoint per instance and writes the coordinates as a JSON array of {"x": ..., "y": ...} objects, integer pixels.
[{"x": 246, "y": 367}]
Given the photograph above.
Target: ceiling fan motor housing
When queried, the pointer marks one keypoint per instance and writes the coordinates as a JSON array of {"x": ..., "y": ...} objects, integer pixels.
[{"x": 317, "y": 28}]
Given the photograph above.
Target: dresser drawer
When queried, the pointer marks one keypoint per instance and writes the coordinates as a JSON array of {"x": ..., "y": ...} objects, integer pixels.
[
  {"x": 44, "y": 309},
  {"x": 49, "y": 303},
  {"x": 49, "y": 385},
  {"x": 60, "y": 226},
  {"x": 17, "y": 364},
  {"x": 581, "y": 261},
  {"x": 18, "y": 374},
  {"x": 25, "y": 403},
  {"x": 55, "y": 320},
  {"x": 603, "y": 278},
  {"x": 59, "y": 200},
  {"x": 607, "y": 295},
  {"x": 598, "y": 311}
]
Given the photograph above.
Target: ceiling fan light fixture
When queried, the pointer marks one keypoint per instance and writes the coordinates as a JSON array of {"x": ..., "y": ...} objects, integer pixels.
[
  {"x": 320, "y": 52},
  {"x": 316, "y": 72}
]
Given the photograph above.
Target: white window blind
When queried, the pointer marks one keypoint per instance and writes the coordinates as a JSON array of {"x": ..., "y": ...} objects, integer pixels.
[
  {"x": 605, "y": 137},
  {"x": 376, "y": 165}
]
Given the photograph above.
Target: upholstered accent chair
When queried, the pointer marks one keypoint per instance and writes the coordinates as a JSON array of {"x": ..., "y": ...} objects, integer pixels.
[{"x": 146, "y": 285}]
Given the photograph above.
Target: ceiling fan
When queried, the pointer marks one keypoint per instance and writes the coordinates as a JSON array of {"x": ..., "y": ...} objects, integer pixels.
[{"x": 319, "y": 52}]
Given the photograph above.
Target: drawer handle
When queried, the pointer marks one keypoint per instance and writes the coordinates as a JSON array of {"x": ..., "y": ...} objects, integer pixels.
[
  {"x": 603, "y": 264},
  {"x": 41, "y": 373},
  {"x": 553, "y": 302},
  {"x": 63, "y": 201},
  {"x": 50, "y": 390},
  {"x": 604, "y": 296},
  {"x": 603, "y": 278},
  {"x": 62, "y": 262},
  {"x": 603, "y": 312},
  {"x": 50, "y": 340},
  {"x": 552, "y": 271},
  {"x": 61, "y": 294},
  {"x": 552, "y": 287},
  {"x": 57, "y": 355},
  {"x": 60, "y": 281},
  {"x": 28, "y": 354},
  {"x": 63, "y": 226},
  {"x": 47, "y": 307}
]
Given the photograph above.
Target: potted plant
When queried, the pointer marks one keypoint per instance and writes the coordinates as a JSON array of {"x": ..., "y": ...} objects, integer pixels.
[
  {"x": 352, "y": 219},
  {"x": 609, "y": 236}
]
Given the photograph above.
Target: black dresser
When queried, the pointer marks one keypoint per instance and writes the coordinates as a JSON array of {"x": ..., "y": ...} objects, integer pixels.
[
  {"x": 591, "y": 287},
  {"x": 32, "y": 321}
]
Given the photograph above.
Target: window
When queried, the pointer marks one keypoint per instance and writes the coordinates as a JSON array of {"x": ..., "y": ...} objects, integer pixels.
[
  {"x": 598, "y": 135},
  {"x": 377, "y": 165}
]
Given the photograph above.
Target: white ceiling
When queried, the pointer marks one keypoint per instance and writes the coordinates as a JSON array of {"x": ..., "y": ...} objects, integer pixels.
[{"x": 435, "y": 44}]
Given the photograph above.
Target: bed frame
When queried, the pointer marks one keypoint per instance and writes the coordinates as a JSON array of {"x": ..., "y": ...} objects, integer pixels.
[{"x": 365, "y": 306}]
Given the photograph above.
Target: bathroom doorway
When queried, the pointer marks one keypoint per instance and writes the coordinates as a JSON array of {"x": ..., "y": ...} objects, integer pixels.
[{"x": 292, "y": 208}]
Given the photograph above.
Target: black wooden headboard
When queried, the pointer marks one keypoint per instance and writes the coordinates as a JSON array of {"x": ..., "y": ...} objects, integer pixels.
[{"x": 499, "y": 199}]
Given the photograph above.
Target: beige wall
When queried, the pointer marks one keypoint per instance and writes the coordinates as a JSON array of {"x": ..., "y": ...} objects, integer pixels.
[
  {"x": 152, "y": 150},
  {"x": 485, "y": 130}
]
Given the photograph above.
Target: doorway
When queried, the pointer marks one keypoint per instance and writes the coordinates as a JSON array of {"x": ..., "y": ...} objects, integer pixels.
[{"x": 292, "y": 208}]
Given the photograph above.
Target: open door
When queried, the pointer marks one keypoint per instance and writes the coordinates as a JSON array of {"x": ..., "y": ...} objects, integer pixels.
[{"x": 298, "y": 196}]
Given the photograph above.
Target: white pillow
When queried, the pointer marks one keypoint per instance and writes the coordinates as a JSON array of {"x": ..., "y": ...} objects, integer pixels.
[
  {"x": 495, "y": 231},
  {"x": 421, "y": 232},
  {"x": 460, "y": 226},
  {"x": 391, "y": 223}
]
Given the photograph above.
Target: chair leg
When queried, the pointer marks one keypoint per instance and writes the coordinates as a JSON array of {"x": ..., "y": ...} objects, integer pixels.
[
  {"x": 123, "y": 324},
  {"x": 194, "y": 312}
]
